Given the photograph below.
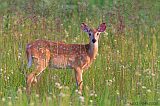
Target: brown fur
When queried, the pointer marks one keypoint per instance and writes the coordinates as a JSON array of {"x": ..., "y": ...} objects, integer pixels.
[{"x": 61, "y": 55}]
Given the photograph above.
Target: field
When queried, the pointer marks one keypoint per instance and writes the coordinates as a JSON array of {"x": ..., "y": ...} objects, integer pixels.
[{"x": 125, "y": 72}]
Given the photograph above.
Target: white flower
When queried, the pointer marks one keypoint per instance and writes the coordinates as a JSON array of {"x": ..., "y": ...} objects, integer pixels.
[
  {"x": 58, "y": 85},
  {"x": 91, "y": 94},
  {"x": 91, "y": 101},
  {"x": 95, "y": 95},
  {"x": 62, "y": 94},
  {"x": 143, "y": 87},
  {"x": 149, "y": 90},
  {"x": 3, "y": 99},
  {"x": 19, "y": 91},
  {"x": 138, "y": 83},
  {"x": 24, "y": 88},
  {"x": 117, "y": 92},
  {"x": 76, "y": 90},
  {"x": 37, "y": 95},
  {"x": 81, "y": 98},
  {"x": 9, "y": 97}
]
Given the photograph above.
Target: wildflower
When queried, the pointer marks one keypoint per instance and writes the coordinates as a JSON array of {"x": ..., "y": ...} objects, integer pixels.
[
  {"x": 37, "y": 95},
  {"x": 62, "y": 94},
  {"x": 24, "y": 88},
  {"x": 91, "y": 101},
  {"x": 3, "y": 99},
  {"x": 21, "y": 35},
  {"x": 58, "y": 85},
  {"x": 148, "y": 90},
  {"x": 50, "y": 93},
  {"x": 66, "y": 33},
  {"x": 91, "y": 94},
  {"x": 12, "y": 72},
  {"x": 117, "y": 92},
  {"x": 95, "y": 95},
  {"x": 143, "y": 87},
  {"x": 138, "y": 83},
  {"x": 19, "y": 55},
  {"x": 9, "y": 98},
  {"x": 76, "y": 90},
  {"x": 109, "y": 82},
  {"x": 19, "y": 91},
  {"x": 81, "y": 98}
]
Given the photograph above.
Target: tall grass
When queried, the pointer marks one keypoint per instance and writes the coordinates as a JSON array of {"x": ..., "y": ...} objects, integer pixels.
[{"x": 127, "y": 68}]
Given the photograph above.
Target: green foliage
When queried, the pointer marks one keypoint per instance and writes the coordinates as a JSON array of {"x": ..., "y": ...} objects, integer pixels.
[{"x": 125, "y": 72}]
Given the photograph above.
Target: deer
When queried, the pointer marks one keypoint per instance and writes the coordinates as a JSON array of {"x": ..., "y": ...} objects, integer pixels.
[{"x": 60, "y": 55}]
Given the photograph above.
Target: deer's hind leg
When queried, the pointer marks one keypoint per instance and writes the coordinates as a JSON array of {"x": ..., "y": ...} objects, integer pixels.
[{"x": 40, "y": 65}]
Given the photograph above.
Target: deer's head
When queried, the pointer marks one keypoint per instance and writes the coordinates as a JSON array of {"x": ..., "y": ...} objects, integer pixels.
[{"x": 93, "y": 33}]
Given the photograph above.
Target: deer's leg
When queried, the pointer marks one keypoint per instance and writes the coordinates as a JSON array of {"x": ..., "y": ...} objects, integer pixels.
[
  {"x": 79, "y": 80},
  {"x": 42, "y": 58},
  {"x": 32, "y": 77}
]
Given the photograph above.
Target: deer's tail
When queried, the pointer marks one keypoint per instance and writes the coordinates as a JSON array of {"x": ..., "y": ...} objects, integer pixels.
[{"x": 29, "y": 55}]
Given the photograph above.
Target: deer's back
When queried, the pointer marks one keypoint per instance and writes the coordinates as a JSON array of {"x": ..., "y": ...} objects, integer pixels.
[{"x": 62, "y": 55}]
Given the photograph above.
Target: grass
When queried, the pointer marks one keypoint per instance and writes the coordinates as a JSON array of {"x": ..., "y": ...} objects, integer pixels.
[{"x": 125, "y": 72}]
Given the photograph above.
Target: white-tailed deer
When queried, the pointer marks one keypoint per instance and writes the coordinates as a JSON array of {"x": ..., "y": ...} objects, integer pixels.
[{"x": 61, "y": 55}]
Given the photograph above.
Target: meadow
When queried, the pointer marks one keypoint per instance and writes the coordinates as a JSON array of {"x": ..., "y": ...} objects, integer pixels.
[{"x": 125, "y": 72}]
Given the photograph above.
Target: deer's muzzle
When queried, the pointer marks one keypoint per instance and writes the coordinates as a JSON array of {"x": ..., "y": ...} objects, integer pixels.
[{"x": 93, "y": 40}]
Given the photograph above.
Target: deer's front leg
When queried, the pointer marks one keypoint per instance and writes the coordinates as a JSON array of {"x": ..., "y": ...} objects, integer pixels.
[{"x": 79, "y": 80}]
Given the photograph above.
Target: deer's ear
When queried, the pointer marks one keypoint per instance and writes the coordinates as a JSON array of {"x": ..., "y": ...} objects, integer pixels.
[
  {"x": 84, "y": 27},
  {"x": 102, "y": 27}
]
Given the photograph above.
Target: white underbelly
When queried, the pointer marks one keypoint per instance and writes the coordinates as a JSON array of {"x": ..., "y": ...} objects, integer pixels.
[{"x": 61, "y": 62}]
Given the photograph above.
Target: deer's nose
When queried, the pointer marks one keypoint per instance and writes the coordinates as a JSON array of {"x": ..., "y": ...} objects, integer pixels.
[{"x": 93, "y": 40}]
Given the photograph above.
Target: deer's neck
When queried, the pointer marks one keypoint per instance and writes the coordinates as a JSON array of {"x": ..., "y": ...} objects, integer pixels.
[{"x": 93, "y": 50}]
